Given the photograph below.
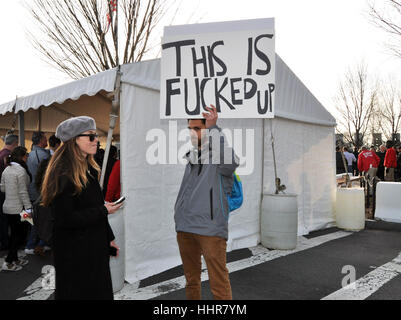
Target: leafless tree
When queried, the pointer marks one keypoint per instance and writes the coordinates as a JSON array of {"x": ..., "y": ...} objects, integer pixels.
[
  {"x": 389, "y": 109},
  {"x": 356, "y": 102},
  {"x": 386, "y": 14},
  {"x": 79, "y": 37}
]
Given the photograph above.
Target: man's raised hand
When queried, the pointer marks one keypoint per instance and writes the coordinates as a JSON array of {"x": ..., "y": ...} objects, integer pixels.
[{"x": 211, "y": 117}]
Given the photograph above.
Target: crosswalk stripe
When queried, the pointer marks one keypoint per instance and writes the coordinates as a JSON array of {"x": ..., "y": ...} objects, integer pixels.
[
  {"x": 43, "y": 287},
  {"x": 36, "y": 292},
  {"x": 370, "y": 283},
  {"x": 260, "y": 255}
]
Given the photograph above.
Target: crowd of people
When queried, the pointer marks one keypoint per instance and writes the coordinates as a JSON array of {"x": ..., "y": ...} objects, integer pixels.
[
  {"x": 22, "y": 175},
  {"x": 383, "y": 163}
]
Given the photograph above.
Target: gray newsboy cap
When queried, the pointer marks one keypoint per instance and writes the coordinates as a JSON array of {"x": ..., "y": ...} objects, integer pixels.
[{"x": 72, "y": 127}]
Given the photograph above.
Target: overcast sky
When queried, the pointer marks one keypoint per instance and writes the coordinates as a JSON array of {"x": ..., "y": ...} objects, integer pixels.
[{"x": 318, "y": 40}]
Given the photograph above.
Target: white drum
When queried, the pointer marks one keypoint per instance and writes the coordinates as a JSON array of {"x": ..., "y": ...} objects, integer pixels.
[
  {"x": 350, "y": 209},
  {"x": 279, "y": 221}
]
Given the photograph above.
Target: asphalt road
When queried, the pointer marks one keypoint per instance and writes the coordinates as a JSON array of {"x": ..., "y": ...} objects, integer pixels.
[{"x": 313, "y": 273}]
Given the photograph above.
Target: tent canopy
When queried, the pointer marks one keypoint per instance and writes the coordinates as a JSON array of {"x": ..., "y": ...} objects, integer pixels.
[
  {"x": 304, "y": 139},
  {"x": 69, "y": 99},
  {"x": 90, "y": 96}
]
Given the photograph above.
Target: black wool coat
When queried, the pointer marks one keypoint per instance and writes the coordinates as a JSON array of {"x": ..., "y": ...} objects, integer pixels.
[{"x": 82, "y": 236}]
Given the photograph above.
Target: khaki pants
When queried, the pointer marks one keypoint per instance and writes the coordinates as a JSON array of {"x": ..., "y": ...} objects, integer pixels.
[
  {"x": 389, "y": 176},
  {"x": 213, "y": 249}
]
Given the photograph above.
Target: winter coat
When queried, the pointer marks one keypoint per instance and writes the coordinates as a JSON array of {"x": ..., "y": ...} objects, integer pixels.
[
  {"x": 367, "y": 158},
  {"x": 36, "y": 156},
  {"x": 390, "y": 160},
  {"x": 114, "y": 186},
  {"x": 339, "y": 163},
  {"x": 15, "y": 182},
  {"x": 202, "y": 206},
  {"x": 82, "y": 237},
  {"x": 4, "y": 154}
]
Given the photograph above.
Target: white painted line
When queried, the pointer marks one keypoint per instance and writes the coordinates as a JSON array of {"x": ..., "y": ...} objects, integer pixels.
[
  {"x": 370, "y": 283},
  {"x": 260, "y": 255},
  {"x": 43, "y": 287},
  {"x": 36, "y": 292}
]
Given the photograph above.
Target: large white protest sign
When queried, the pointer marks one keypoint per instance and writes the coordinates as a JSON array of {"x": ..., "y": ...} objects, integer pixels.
[{"x": 228, "y": 64}]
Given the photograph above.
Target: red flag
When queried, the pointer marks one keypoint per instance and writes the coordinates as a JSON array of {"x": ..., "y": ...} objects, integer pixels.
[{"x": 113, "y": 8}]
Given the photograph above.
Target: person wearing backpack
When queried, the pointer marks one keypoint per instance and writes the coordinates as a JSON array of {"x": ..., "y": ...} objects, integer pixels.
[
  {"x": 14, "y": 183},
  {"x": 82, "y": 235},
  {"x": 201, "y": 209}
]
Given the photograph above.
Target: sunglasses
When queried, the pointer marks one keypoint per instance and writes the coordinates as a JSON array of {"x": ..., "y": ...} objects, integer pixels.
[{"x": 92, "y": 136}]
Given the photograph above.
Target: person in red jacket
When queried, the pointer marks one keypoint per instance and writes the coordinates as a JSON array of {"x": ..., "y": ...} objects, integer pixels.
[
  {"x": 114, "y": 185},
  {"x": 368, "y": 161},
  {"x": 390, "y": 161}
]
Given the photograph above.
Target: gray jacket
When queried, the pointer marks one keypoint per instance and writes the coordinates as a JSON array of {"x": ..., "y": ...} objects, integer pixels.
[
  {"x": 35, "y": 157},
  {"x": 14, "y": 182},
  {"x": 202, "y": 206}
]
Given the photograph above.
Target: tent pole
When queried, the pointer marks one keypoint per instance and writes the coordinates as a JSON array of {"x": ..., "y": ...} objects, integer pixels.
[
  {"x": 274, "y": 154},
  {"x": 40, "y": 119},
  {"x": 279, "y": 186},
  {"x": 21, "y": 126},
  {"x": 113, "y": 119},
  {"x": 263, "y": 159}
]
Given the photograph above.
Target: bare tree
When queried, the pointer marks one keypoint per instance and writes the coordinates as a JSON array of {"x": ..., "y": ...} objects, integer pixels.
[
  {"x": 79, "y": 37},
  {"x": 389, "y": 109},
  {"x": 386, "y": 14},
  {"x": 356, "y": 103}
]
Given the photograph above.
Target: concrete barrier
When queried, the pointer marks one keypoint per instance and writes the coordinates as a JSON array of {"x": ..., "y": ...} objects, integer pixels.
[
  {"x": 388, "y": 204},
  {"x": 350, "y": 209}
]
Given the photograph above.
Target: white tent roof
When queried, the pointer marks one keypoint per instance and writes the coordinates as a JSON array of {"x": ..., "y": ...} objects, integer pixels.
[
  {"x": 6, "y": 107},
  {"x": 301, "y": 105},
  {"x": 89, "y": 86}
]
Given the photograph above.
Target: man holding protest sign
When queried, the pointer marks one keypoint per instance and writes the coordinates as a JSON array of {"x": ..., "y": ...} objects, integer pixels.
[
  {"x": 201, "y": 209},
  {"x": 232, "y": 65}
]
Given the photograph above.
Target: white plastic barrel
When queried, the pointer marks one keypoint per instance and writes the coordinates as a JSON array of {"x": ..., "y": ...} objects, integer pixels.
[
  {"x": 117, "y": 265},
  {"x": 350, "y": 208},
  {"x": 279, "y": 221}
]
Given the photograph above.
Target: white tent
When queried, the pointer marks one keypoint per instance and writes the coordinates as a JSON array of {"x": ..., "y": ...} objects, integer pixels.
[{"x": 304, "y": 138}]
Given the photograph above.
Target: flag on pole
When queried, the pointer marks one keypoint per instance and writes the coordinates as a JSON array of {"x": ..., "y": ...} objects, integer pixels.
[{"x": 112, "y": 8}]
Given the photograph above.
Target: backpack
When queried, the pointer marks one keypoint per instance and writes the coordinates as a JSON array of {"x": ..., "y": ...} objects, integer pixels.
[
  {"x": 236, "y": 197},
  {"x": 43, "y": 220}
]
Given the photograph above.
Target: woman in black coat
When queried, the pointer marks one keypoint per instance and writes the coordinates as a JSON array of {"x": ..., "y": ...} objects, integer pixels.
[{"x": 82, "y": 234}]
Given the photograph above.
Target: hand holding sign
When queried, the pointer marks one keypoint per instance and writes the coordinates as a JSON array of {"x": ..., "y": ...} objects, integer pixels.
[{"x": 211, "y": 118}]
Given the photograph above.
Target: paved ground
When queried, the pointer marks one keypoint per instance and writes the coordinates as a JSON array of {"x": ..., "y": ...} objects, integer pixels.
[{"x": 319, "y": 268}]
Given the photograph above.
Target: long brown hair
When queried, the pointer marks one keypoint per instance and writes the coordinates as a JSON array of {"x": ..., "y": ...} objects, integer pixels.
[{"x": 68, "y": 161}]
